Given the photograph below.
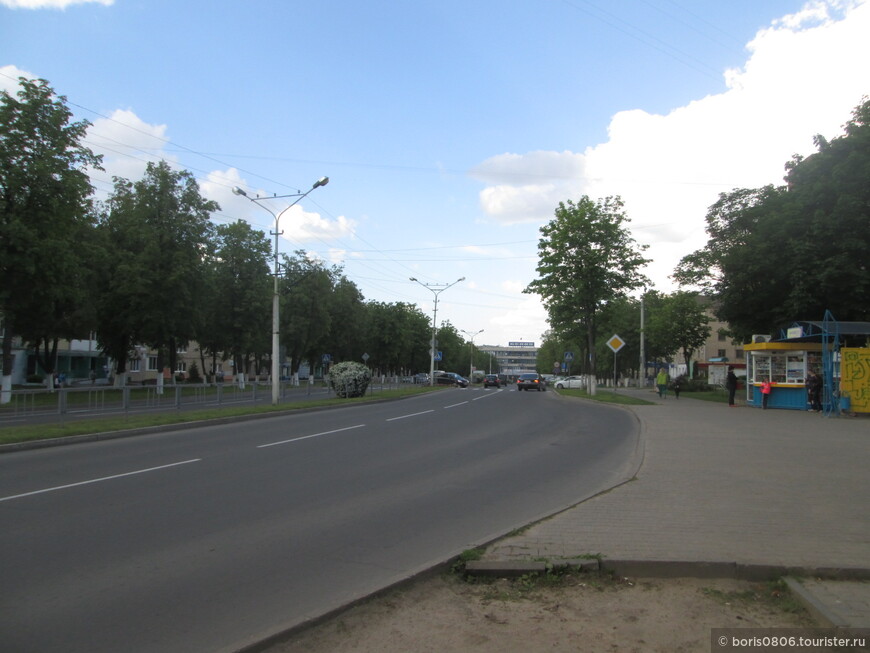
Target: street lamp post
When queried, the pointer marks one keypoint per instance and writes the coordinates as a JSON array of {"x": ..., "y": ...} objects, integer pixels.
[
  {"x": 437, "y": 289},
  {"x": 276, "y": 323},
  {"x": 471, "y": 355}
]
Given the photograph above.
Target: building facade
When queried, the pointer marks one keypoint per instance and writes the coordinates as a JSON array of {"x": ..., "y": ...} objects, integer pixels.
[{"x": 517, "y": 358}]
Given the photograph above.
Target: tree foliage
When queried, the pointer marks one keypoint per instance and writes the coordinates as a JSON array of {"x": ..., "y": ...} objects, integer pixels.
[
  {"x": 159, "y": 234},
  {"x": 779, "y": 254},
  {"x": 45, "y": 212},
  {"x": 586, "y": 257}
]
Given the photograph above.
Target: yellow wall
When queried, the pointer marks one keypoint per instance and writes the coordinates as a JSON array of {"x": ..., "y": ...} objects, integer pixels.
[{"x": 855, "y": 379}]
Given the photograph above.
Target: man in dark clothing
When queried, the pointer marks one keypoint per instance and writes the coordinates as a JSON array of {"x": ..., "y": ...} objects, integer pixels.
[
  {"x": 814, "y": 391},
  {"x": 731, "y": 385}
]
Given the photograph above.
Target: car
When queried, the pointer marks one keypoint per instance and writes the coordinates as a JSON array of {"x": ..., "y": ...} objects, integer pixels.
[
  {"x": 421, "y": 378},
  {"x": 570, "y": 382},
  {"x": 531, "y": 381},
  {"x": 450, "y": 378},
  {"x": 491, "y": 380}
]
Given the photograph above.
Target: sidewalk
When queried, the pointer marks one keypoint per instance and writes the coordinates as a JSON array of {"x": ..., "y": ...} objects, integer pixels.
[{"x": 727, "y": 491}]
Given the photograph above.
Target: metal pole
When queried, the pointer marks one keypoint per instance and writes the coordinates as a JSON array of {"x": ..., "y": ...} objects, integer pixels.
[
  {"x": 435, "y": 291},
  {"x": 276, "y": 322}
]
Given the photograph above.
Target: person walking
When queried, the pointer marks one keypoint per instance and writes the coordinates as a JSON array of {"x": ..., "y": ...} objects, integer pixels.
[
  {"x": 662, "y": 383},
  {"x": 731, "y": 385}
]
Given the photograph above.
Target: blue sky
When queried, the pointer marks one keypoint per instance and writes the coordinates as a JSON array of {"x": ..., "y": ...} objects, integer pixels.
[{"x": 451, "y": 130}]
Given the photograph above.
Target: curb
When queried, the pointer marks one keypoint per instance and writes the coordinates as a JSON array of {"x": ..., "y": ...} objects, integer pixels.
[{"x": 664, "y": 569}]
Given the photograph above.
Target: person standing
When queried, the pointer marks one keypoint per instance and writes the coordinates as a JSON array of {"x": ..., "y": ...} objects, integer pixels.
[
  {"x": 662, "y": 383},
  {"x": 814, "y": 391},
  {"x": 766, "y": 389},
  {"x": 731, "y": 385}
]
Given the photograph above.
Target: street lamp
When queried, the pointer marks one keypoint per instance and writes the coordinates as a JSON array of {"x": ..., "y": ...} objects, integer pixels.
[
  {"x": 471, "y": 355},
  {"x": 437, "y": 289},
  {"x": 275, "y": 296}
]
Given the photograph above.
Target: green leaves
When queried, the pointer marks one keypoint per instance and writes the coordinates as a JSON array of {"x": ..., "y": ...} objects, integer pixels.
[
  {"x": 778, "y": 254},
  {"x": 586, "y": 258}
]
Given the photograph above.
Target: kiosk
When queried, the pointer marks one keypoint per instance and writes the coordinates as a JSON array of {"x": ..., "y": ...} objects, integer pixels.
[{"x": 785, "y": 365}]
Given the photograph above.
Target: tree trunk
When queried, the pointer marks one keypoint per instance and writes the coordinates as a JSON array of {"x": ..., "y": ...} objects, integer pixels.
[{"x": 8, "y": 362}]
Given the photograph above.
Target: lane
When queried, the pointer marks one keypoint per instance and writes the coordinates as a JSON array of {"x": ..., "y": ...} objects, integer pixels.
[{"x": 253, "y": 537}]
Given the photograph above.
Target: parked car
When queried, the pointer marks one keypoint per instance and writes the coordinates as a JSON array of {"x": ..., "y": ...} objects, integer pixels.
[
  {"x": 570, "y": 382},
  {"x": 491, "y": 380},
  {"x": 531, "y": 381},
  {"x": 421, "y": 378}
]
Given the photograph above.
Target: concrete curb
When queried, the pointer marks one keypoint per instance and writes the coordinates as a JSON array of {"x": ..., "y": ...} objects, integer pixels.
[{"x": 662, "y": 569}]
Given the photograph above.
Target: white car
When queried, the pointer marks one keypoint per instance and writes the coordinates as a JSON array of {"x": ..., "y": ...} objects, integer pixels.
[{"x": 570, "y": 382}]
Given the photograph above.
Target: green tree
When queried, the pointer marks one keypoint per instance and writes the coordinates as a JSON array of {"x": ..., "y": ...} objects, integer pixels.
[
  {"x": 306, "y": 287},
  {"x": 586, "y": 257},
  {"x": 777, "y": 254},
  {"x": 44, "y": 207},
  {"x": 241, "y": 294},
  {"x": 162, "y": 228},
  {"x": 680, "y": 324}
]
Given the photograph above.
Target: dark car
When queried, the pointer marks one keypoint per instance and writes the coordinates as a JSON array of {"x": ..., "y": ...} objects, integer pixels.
[
  {"x": 531, "y": 382},
  {"x": 491, "y": 380},
  {"x": 450, "y": 378}
]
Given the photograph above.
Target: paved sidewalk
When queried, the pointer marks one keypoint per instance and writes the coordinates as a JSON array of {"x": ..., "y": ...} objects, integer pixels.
[{"x": 726, "y": 490}]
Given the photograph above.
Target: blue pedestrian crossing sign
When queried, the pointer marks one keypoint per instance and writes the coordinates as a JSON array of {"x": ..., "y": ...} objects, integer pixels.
[
  {"x": 439, "y": 356},
  {"x": 569, "y": 356}
]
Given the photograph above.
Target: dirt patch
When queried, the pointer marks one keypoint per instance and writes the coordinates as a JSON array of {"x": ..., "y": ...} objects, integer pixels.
[{"x": 577, "y": 612}]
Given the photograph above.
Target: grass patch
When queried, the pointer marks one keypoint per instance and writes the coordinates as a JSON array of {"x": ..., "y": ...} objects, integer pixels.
[
  {"x": 606, "y": 397},
  {"x": 773, "y": 594},
  {"x": 13, "y": 434},
  {"x": 529, "y": 586}
]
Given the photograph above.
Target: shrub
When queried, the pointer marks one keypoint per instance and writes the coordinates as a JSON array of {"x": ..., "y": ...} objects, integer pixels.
[
  {"x": 35, "y": 378},
  {"x": 193, "y": 374},
  {"x": 349, "y": 379}
]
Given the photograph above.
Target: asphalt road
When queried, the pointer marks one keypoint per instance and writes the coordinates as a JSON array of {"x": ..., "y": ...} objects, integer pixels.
[{"x": 212, "y": 538}]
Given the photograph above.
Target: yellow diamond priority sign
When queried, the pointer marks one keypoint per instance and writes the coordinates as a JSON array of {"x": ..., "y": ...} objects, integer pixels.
[{"x": 615, "y": 343}]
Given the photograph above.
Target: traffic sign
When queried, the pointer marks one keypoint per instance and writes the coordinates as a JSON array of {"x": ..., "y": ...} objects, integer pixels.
[
  {"x": 439, "y": 355},
  {"x": 569, "y": 356},
  {"x": 615, "y": 343}
]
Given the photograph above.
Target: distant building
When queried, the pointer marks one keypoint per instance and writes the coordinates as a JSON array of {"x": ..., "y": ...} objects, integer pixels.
[{"x": 517, "y": 358}]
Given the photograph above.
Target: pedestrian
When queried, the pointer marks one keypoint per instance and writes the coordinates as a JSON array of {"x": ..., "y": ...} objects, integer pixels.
[
  {"x": 662, "y": 383},
  {"x": 678, "y": 386},
  {"x": 766, "y": 389},
  {"x": 731, "y": 385},
  {"x": 93, "y": 376},
  {"x": 814, "y": 391}
]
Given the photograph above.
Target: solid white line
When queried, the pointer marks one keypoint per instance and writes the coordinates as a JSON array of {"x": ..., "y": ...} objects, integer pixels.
[
  {"x": 305, "y": 437},
  {"x": 98, "y": 480},
  {"x": 455, "y": 405},
  {"x": 393, "y": 419}
]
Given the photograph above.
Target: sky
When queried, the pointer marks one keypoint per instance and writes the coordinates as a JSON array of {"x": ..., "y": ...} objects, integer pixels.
[{"x": 451, "y": 130}]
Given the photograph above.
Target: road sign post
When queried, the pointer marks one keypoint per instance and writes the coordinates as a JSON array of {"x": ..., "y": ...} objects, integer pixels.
[{"x": 615, "y": 343}]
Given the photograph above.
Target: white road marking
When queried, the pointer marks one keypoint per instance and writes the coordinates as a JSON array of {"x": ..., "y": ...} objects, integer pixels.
[
  {"x": 98, "y": 480},
  {"x": 314, "y": 435},
  {"x": 393, "y": 419},
  {"x": 455, "y": 405}
]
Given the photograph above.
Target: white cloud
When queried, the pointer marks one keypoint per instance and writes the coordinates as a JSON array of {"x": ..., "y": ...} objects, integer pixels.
[
  {"x": 804, "y": 75},
  {"x": 51, "y": 4},
  {"x": 128, "y": 143},
  {"x": 9, "y": 78},
  {"x": 526, "y": 188}
]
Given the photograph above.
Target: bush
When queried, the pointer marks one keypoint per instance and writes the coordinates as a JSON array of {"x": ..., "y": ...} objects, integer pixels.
[
  {"x": 35, "y": 378},
  {"x": 349, "y": 379},
  {"x": 193, "y": 374}
]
